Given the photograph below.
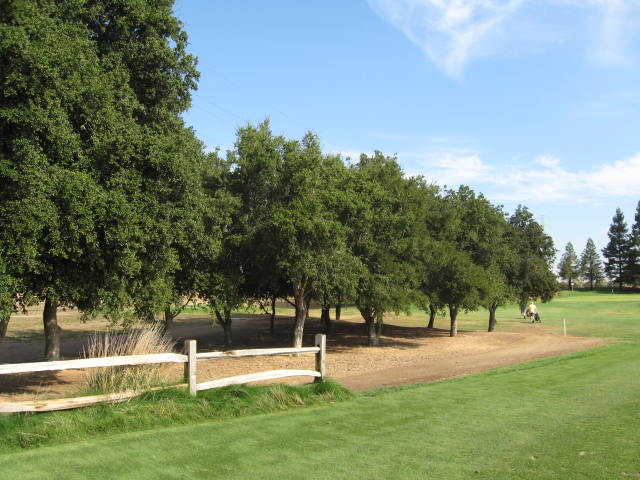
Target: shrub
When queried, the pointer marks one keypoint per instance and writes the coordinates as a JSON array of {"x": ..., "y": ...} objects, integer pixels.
[{"x": 134, "y": 341}]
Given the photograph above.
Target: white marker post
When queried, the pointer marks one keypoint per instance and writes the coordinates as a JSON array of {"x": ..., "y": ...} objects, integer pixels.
[{"x": 564, "y": 327}]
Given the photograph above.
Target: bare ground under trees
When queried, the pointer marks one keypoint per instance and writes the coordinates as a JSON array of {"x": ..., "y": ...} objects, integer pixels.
[{"x": 405, "y": 355}]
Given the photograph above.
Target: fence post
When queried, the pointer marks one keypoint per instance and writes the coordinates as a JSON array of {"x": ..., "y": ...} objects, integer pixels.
[
  {"x": 321, "y": 356},
  {"x": 190, "y": 368}
]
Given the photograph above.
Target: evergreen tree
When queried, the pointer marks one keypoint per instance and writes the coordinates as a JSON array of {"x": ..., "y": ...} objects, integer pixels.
[
  {"x": 568, "y": 266},
  {"x": 591, "y": 265},
  {"x": 616, "y": 252},
  {"x": 633, "y": 267}
]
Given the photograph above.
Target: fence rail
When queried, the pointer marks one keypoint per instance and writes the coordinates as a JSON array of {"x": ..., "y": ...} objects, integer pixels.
[
  {"x": 190, "y": 361},
  {"x": 256, "y": 352},
  {"x": 191, "y": 367},
  {"x": 92, "y": 363},
  {"x": 256, "y": 377}
]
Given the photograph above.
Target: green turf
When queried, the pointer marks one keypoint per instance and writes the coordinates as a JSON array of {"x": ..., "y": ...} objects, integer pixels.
[
  {"x": 570, "y": 417},
  {"x": 599, "y": 314},
  {"x": 157, "y": 409},
  {"x": 574, "y": 417}
]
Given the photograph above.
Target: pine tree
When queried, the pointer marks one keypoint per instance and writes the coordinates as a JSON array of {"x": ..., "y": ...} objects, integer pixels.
[
  {"x": 633, "y": 267},
  {"x": 591, "y": 265},
  {"x": 568, "y": 265},
  {"x": 616, "y": 252}
]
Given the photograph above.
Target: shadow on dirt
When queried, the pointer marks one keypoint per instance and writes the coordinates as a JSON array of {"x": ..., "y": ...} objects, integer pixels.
[
  {"x": 249, "y": 331},
  {"x": 29, "y": 382}
]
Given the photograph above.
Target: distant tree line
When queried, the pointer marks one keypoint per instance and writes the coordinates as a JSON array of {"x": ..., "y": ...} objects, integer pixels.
[
  {"x": 110, "y": 204},
  {"x": 622, "y": 253},
  {"x": 622, "y": 257}
]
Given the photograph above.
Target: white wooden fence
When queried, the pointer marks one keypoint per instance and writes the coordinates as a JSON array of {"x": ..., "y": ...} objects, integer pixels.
[{"x": 190, "y": 360}]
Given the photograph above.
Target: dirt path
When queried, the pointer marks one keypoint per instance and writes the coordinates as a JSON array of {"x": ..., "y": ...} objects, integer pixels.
[
  {"x": 406, "y": 355},
  {"x": 469, "y": 353}
]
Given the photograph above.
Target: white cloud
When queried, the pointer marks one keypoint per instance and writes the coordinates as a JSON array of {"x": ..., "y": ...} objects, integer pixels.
[
  {"x": 619, "y": 178},
  {"x": 615, "y": 32},
  {"x": 547, "y": 161},
  {"x": 456, "y": 168},
  {"x": 543, "y": 180},
  {"x": 453, "y": 32}
]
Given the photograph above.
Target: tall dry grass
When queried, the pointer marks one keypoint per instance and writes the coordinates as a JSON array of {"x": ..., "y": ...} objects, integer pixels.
[{"x": 142, "y": 340}]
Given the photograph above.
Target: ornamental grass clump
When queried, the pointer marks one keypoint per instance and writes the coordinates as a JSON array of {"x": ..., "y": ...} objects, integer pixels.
[{"x": 134, "y": 341}]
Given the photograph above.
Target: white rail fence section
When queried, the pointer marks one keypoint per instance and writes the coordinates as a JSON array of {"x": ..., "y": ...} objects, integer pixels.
[{"x": 190, "y": 360}]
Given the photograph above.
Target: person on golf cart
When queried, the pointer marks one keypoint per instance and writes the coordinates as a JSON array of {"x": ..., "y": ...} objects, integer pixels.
[{"x": 532, "y": 312}]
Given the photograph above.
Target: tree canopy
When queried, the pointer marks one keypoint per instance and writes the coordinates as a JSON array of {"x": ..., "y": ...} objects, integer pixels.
[
  {"x": 530, "y": 274},
  {"x": 100, "y": 176}
]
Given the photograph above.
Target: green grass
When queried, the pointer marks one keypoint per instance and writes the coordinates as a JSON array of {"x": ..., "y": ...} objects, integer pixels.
[
  {"x": 572, "y": 417},
  {"x": 569, "y": 417},
  {"x": 157, "y": 409},
  {"x": 596, "y": 314}
]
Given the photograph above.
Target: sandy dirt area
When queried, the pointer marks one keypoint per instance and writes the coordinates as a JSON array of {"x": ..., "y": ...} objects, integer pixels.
[{"x": 406, "y": 354}]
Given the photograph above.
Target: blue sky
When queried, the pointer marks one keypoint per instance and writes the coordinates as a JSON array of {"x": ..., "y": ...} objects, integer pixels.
[{"x": 528, "y": 101}]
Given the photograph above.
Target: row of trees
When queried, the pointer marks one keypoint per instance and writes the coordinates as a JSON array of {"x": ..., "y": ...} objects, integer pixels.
[
  {"x": 110, "y": 204},
  {"x": 309, "y": 226},
  {"x": 622, "y": 257},
  {"x": 587, "y": 268}
]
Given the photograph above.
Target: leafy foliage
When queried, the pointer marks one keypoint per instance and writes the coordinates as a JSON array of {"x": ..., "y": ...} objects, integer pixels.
[
  {"x": 102, "y": 181},
  {"x": 384, "y": 236},
  {"x": 531, "y": 275}
]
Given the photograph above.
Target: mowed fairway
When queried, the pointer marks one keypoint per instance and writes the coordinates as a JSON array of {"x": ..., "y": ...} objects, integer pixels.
[
  {"x": 571, "y": 417},
  {"x": 592, "y": 314}
]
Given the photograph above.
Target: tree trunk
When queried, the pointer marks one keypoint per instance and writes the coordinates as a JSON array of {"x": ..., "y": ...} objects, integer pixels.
[
  {"x": 492, "y": 318},
  {"x": 338, "y": 311},
  {"x": 168, "y": 321},
  {"x": 523, "y": 307},
  {"x": 272, "y": 325},
  {"x": 226, "y": 326},
  {"x": 453, "y": 316},
  {"x": 372, "y": 338},
  {"x": 432, "y": 317},
  {"x": 51, "y": 330},
  {"x": 590, "y": 283},
  {"x": 379, "y": 326},
  {"x": 570, "y": 284},
  {"x": 4, "y": 324},
  {"x": 224, "y": 319},
  {"x": 302, "y": 312},
  {"x": 325, "y": 318}
]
